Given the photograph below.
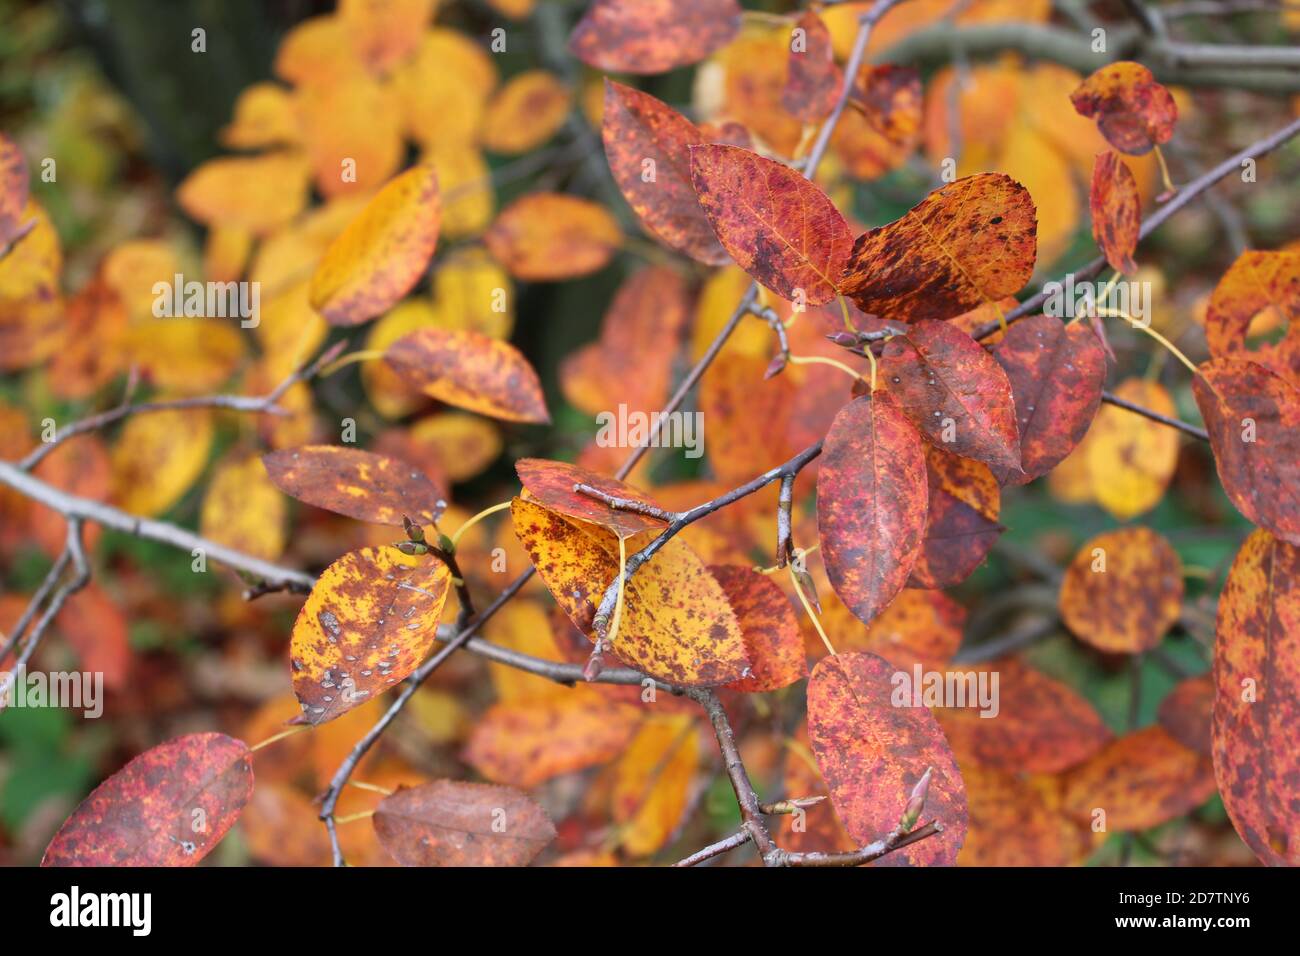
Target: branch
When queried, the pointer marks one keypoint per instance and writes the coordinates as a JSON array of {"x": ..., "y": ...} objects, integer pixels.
[
  {"x": 1155, "y": 416},
  {"x": 896, "y": 840}
]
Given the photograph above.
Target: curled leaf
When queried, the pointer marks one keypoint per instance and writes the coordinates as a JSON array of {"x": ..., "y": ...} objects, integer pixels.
[
  {"x": 1116, "y": 211},
  {"x": 1132, "y": 110}
]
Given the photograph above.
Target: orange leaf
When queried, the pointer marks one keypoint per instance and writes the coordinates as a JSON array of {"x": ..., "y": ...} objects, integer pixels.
[
  {"x": 545, "y": 237},
  {"x": 1132, "y": 110},
  {"x": 470, "y": 370},
  {"x": 1140, "y": 781},
  {"x": 382, "y": 253},
  {"x": 1257, "y": 698},
  {"x": 645, "y": 137},
  {"x": 968, "y": 243},
  {"x": 1187, "y": 709},
  {"x": 1253, "y": 417},
  {"x": 1257, "y": 282},
  {"x": 168, "y": 807},
  {"x": 451, "y": 823},
  {"x": 779, "y": 227},
  {"x": 525, "y": 113},
  {"x": 872, "y": 753},
  {"x": 768, "y": 626},
  {"x": 871, "y": 503},
  {"x": 633, "y": 36},
  {"x": 1123, "y": 591},
  {"x": 1056, "y": 373},
  {"x": 954, "y": 392},
  {"x": 355, "y": 483},
  {"x": 257, "y": 193},
  {"x": 963, "y": 520},
  {"x": 1116, "y": 211},
  {"x": 367, "y": 624},
  {"x": 812, "y": 79},
  {"x": 551, "y": 484}
]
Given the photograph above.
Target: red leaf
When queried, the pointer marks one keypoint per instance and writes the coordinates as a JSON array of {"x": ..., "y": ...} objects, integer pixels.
[
  {"x": 779, "y": 227},
  {"x": 1132, "y": 110},
  {"x": 768, "y": 626},
  {"x": 634, "y": 36},
  {"x": 812, "y": 79},
  {"x": 1116, "y": 211},
  {"x": 872, "y": 495}
]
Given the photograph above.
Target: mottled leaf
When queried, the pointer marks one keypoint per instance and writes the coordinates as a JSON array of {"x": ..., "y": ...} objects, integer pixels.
[
  {"x": 872, "y": 753},
  {"x": 368, "y": 622},
  {"x": 168, "y": 807},
  {"x": 1187, "y": 710},
  {"x": 1033, "y": 724},
  {"x": 359, "y": 484},
  {"x": 1123, "y": 590},
  {"x": 551, "y": 484},
  {"x": 676, "y": 623},
  {"x": 1253, "y": 417},
  {"x": 1140, "y": 780},
  {"x": 382, "y": 253},
  {"x": 872, "y": 495},
  {"x": 812, "y": 79},
  {"x": 963, "y": 520},
  {"x": 13, "y": 192},
  {"x": 452, "y": 823},
  {"x": 1056, "y": 373},
  {"x": 779, "y": 227},
  {"x": 547, "y": 237},
  {"x": 653, "y": 782},
  {"x": 644, "y": 137},
  {"x": 954, "y": 392},
  {"x": 968, "y": 243},
  {"x": 470, "y": 370},
  {"x": 1116, "y": 211},
  {"x": 636, "y": 36},
  {"x": 1257, "y": 698},
  {"x": 1257, "y": 285},
  {"x": 1132, "y": 110},
  {"x": 768, "y": 626}
]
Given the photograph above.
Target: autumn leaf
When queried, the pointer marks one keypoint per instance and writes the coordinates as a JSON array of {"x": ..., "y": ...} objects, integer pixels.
[
  {"x": 158, "y": 457},
  {"x": 1116, "y": 211},
  {"x": 653, "y": 780},
  {"x": 779, "y": 227},
  {"x": 1013, "y": 822},
  {"x": 920, "y": 626},
  {"x": 263, "y": 116},
  {"x": 768, "y": 627},
  {"x": 351, "y": 133},
  {"x": 1132, "y": 110},
  {"x": 872, "y": 496},
  {"x": 243, "y": 509},
  {"x": 384, "y": 34},
  {"x": 1187, "y": 710},
  {"x": 359, "y": 484},
  {"x": 169, "y": 806},
  {"x": 1139, "y": 781},
  {"x": 1257, "y": 283},
  {"x": 1253, "y": 417},
  {"x": 968, "y": 243},
  {"x": 470, "y": 370},
  {"x": 529, "y": 743},
  {"x": 13, "y": 193},
  {"x": 1056, "y": 373},
  {"x": 1131, "y": 459},
  {"x": 367, "y": 624},
  {"x": 552, "y": 485},
  {"x": 632, "y": 36},
  {"x": 676, "y": 623},
  {"x": 1123, "y": 590},
  {"x": 872, "y": 753},
  {"x": 954, "y": 392},
  {"x": 812, "y": 79},
  {"x": 547, "y": 237},
  {"x": 98, "y": 632},
  {"x": 1041, "y": 725},
  {"x": 962, "y": 525},
  {"x": 889, "y": 98},
  {"x": 628, "y": 365},
  {"x": 1257, "y": 698},
  {"x": 648, "y": 145},
  {"x": 382, "y": 253},
  {"x": 257, "y": 193},
  {"x": 525, "y": 113},
  {"x": 452, "y": 823}
]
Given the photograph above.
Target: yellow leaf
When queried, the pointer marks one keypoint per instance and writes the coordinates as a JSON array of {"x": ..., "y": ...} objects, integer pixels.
[
  {"x": 158, "y": 457},
  {"x": 1131, "y": 459},
  {"x": 244, "y": 510}
]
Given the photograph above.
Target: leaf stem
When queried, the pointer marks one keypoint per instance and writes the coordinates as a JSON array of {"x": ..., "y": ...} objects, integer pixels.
[{"x": 455, "y": 538}]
